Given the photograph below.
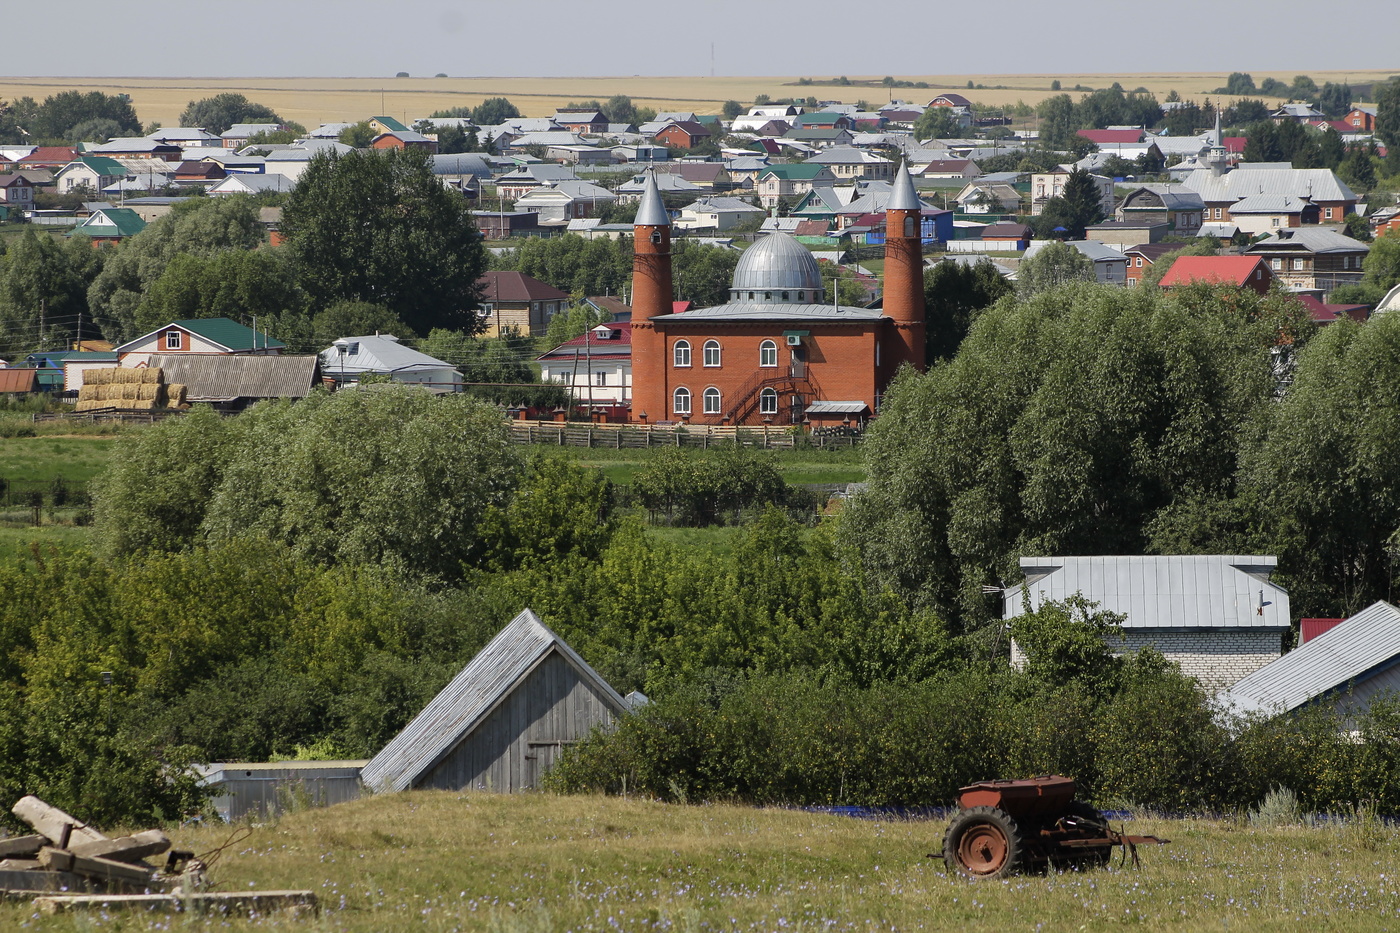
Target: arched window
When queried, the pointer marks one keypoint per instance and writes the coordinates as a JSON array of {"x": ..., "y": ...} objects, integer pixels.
[
  {"x": 680, "y": 402},
  {"x": 785, "y": 296},
  {"x": 712, "y": 401},
  {"x": 768, "y": 402},
  {"x": 767, "y": 353},
  {"x": 801, "y": 296},
  {"x": 711, "y": 352},
  {"x": 910, "y": 226},
  {"x": 750, "y": 296},
  {"x": 681, "y": 353}
]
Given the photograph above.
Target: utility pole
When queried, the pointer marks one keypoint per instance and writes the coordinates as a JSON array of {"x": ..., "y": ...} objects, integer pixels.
[{"x": 43, "y": 338}]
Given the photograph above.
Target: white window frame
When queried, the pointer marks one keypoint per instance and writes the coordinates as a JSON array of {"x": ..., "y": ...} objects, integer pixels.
[
  {"x": 172, "y": 340},
  {"x": 600, "y": 378},
  {"x": 680, "y": 401},
  {"x": 768, "y": 354},
  {"x": 680, "y": 354},
  {"x": 1298, "y": 265},
  {"x": 768, "y": 401},
  {"x": 712, "y": 348},
  {"x": 712, "y": 401}
]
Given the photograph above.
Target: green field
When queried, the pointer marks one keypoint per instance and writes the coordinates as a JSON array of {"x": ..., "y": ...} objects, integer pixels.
[
  {"x": 797, "y": 466},
  {"x": 77, "y": 459},
  {"x": 441, "y": 861}
]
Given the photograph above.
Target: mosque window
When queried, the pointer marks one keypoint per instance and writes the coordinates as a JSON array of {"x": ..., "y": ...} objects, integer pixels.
[
  {"x": 768, "y": 402},
  {"x": 711, "y": 352},
  {"x": 680, "y": 402},
  {"x": 767, "y": 353},
  {"x": 785, "y": 296},
  {"x": 681, "y": 353},
  {"x": 712, "y": 401}
]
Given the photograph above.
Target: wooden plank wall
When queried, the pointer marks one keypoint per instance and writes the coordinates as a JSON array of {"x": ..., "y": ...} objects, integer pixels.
[
  {"x": 552, "y": 707},
  {"x": 619, "y": 437}
]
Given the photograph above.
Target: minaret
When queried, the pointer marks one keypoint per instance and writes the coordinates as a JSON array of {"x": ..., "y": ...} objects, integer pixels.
[
  {"x": 1218, "y": 157},
  {"x": 651, "y": 296},
  {"x": 904, "y": 273}
]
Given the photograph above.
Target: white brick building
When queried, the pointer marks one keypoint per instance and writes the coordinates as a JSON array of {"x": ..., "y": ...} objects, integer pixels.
[{"x": 1219, "y": 617}]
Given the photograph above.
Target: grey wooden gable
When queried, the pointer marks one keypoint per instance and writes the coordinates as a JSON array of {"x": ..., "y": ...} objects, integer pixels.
[{"x": 501, "y": 722}]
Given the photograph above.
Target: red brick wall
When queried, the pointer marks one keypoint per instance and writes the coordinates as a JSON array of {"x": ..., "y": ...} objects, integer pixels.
[{"x": 651, "y": 295}]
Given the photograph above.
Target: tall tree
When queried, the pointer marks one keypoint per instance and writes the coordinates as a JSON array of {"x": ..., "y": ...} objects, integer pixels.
[
  {"x": 1055, "y": 265},
  {"x": 380, "y": 227},
  {"x": 937, "y": 123},
  {"x": 216, "y": 114},
  {"x": 493, "y": 111},
  {"x": 58, "y": 114},
  {"x": 41, "y": 295},
  {"x": 238, "y": 284},
  {"x": 1057, "y": 123},
  {"x": 954, "y": 293}
]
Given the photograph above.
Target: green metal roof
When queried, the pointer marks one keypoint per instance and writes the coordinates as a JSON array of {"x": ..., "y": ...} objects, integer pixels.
[
  {"x": 393, "y": 125},
  {"x": 127, "y": 222},
  {"x": 103, "y": 165},
  {"x": 228, "y": 333},
  {"x": 803, "y": 171}
]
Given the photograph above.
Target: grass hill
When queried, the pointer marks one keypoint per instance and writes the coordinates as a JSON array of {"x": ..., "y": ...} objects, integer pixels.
[{"x": 442, "y": 861}]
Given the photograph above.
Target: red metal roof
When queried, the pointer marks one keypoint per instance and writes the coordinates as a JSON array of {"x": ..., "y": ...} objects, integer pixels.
[
  {"x": 19, "y": 380},
  {"x": 50, "y": 155},
  {"x": 517, "y": 286},
  {"x": 1235, "y": 144},
  {"x": 1215, "y": 270},
  {"x": 623, "y": 338},
  {"x": 1311, "y": 628},
  {"x": 1112, "y": 136},
  {"x": 1327, "y": 313},
  {"x": 811, "y": 228},
  {"x": 680, "y": 307}
]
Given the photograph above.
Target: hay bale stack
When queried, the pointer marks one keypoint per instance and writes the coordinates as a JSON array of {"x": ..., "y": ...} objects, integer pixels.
[
  {"x": 152, "y": 377},
  {"x": 175, "y": 394},
  {"x": 147, "y": 391},
  {"x": 97, "y": 377}
]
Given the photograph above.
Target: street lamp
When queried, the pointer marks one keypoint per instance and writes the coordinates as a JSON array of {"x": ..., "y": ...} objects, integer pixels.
[{"x": 342, "y": 345}]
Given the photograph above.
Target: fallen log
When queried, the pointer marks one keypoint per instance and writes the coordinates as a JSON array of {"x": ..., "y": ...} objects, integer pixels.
[
  {"x": 51, "y": 822},
  {"x": 131, "y": 848}
]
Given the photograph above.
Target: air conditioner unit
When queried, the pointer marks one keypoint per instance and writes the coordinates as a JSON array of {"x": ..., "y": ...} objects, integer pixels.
[{"x": 794, "y": 340}]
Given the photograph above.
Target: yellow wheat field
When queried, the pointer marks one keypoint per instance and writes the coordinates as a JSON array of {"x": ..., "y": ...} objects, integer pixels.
[{"x": 311, "y": 101}]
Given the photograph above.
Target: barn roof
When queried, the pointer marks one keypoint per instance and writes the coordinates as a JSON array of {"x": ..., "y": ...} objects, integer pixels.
[
  {"x": 217, "y": 377},
  {"x": 1364, "y": 645},
  {"x": 472, "y": 695}
]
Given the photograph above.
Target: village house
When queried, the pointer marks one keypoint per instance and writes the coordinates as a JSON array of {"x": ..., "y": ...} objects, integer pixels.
[
  {"x": 1240, "y": 271},
  {"x": 590, "y": 122},
  {"x": 848, "y": 163},
  {"x": 820, "y": 137},
  {"x": 91, "y": 172},
  {"x": 1362, "y": 117},
  {"x": 1220, "y": 618},
  {"x": 1312, "y": 258},
  {"x": 1047, "y": 185},
  {"x": 1143, "y": 257},
  {"x": 712, "y": 175},
  {"x": 596, "y": 367},
  {"x": 1110, "y": 265},
  {"x": 684, "y": 135},
  {"x": 778, "y": 351},
  {"x": 670, "y": 185},
  {"x": 716, "y": 213},
  {"x": 110, "y": 225},
  {"x": 204, "y": 335},
  {"x": 404, "y": 139},
  {"x": 521, "y": 181},
  {"x": 791, "y": 181},
  {"x": 1180, "y": 208},
  {"x": 514, "y": 301},
  {"x": 16, "y": 192},
  {"x": 562, "y": 201},
  {"x": 349, "y": 359},
  {"x": 946, "y": 169},
  {"x": 237, "y": 136},
  {"x": 247, "y": 183},
  {"x": 988, "y": 198}
]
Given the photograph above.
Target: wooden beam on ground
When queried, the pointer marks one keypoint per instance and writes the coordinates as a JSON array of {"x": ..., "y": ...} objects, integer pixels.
[
  {"x": 296, "y": 903},
  {"x": 20, "y": 864},
  {"x": 131, "y": 848},
  {"x": 49, "y": 821},
  {"x": 21, "y": 846},
  {"x": 99, "y": 868}
]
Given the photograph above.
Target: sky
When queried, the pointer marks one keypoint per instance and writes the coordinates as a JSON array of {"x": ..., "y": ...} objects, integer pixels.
[{"x": 369, "y": 38}]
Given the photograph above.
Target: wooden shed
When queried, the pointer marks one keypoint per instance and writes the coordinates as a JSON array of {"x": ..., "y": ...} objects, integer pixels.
[{"x": 503, "y": 720}]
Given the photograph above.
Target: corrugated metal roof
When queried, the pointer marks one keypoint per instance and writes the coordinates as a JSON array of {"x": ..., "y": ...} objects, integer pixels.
[
  {"x": 1360, "y": 646},
  {"x": 1308, "y": 239},
  {"x": 1316, "y": 184},
  {"x": 487, "y": 679},
  {"x": 755, "y": 311},
  {"x": 210, "y": 377},
  {"x": 378, "y": 353},
  {"x": 1193, "y": 592},
  {"x": 19, "y": 379}
]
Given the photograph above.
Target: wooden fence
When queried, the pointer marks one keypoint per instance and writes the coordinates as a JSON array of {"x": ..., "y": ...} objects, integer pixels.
[{"x": 645, "y": 436}]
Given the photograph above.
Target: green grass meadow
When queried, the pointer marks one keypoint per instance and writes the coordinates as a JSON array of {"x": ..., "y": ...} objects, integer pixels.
[{"x": 441, "y": 861}]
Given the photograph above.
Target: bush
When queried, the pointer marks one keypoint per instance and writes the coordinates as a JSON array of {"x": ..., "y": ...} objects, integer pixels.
[{"x": 701, "y": 491}]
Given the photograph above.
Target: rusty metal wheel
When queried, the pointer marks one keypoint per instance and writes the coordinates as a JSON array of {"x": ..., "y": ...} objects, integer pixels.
[{"x": 983, "y": 842}]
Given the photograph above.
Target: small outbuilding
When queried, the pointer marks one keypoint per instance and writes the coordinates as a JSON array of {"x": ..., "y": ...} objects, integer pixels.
[
  {"x": 503, "y": 720},
  {"x": 262, "y": 789},
  {"x": 233, "y": 382},
  {"x": 1346, "y": 667}
]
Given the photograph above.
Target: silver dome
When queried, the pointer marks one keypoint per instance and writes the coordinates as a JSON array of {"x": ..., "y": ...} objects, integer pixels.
[{"x": 777, "y": 269}]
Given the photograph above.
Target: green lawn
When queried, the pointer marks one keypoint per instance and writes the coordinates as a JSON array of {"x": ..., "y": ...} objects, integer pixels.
[
  {"x": 18, "y": 540},
  {"x": 797, "y": 466},
  {"x": 77, "y": 459},
  {"x": 441, "y": 861}
]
